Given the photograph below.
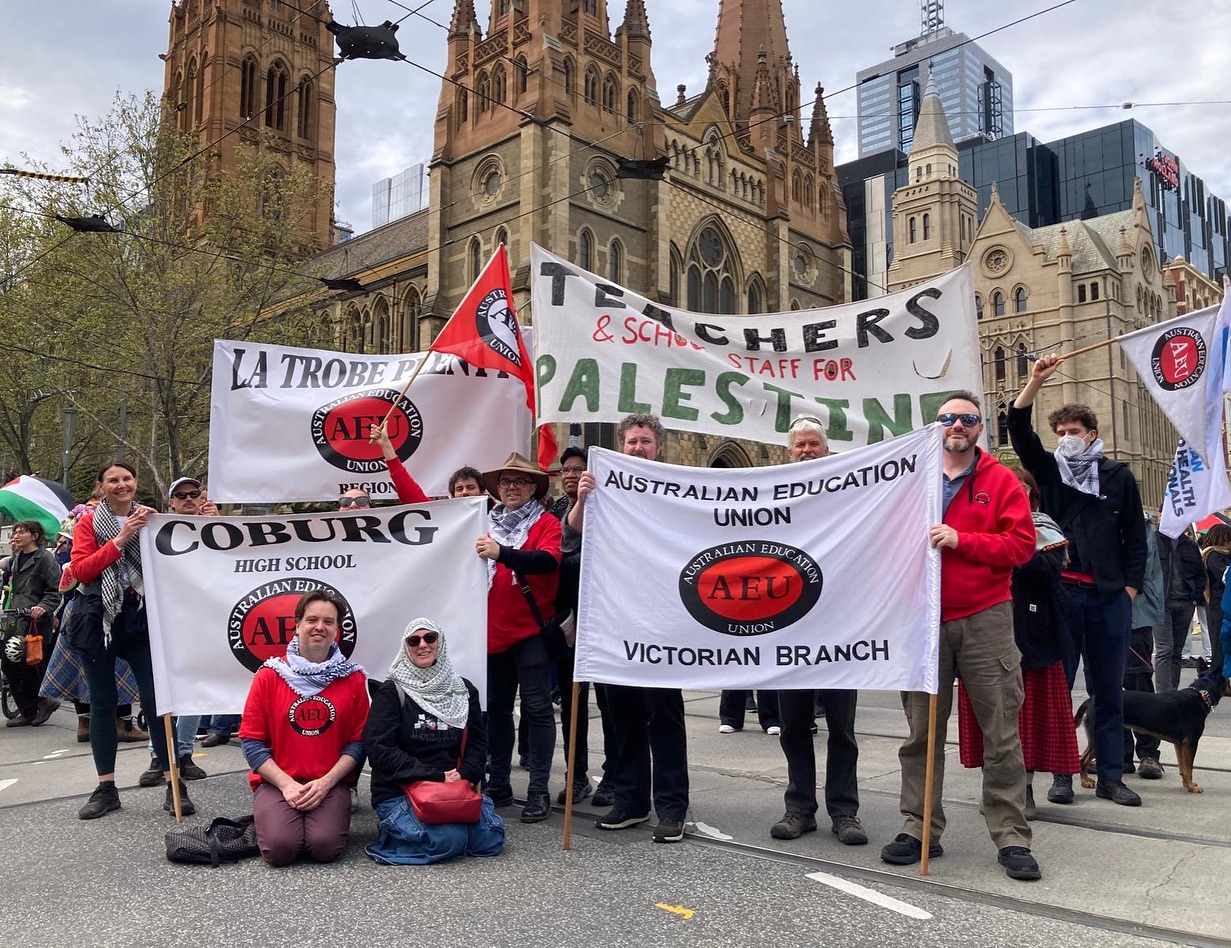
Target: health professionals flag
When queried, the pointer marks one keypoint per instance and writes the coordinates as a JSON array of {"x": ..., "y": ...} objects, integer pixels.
[
  {"x": 293, "y": 424},
  {"x": 810, "y": 575},
  {"x": 484, "y": 331},
  {"x": 221, "y": 592},
  {"x": 869, "y": 370},
  {"x": 1194, "y": 490}
]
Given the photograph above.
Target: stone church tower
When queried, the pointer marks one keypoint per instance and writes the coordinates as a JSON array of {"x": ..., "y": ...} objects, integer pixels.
[{"x": 236, "y": 66}]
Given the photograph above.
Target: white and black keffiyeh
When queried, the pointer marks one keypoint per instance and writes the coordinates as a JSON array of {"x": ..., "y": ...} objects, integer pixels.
[
  {"x": 1081, "y": 472},
  {"x": 511, "y": 528},
  {"x": 311, "y": 678},
  {"x": 437, "y": 689},
  {"x": 106, "y": 529}
]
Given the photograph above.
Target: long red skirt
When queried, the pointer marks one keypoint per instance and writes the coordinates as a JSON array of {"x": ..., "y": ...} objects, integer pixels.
[{"x": 1045, "y": 722}]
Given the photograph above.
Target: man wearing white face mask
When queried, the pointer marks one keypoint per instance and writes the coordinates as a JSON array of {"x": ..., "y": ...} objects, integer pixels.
[{"x": 1096, "y": 502}]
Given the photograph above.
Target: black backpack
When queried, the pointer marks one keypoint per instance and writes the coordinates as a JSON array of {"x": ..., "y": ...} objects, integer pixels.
[{"x": 221, "y": 841}]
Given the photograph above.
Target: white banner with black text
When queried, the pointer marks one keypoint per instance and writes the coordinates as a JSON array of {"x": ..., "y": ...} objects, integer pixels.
[
  {"x": 221, "y": 592},
  {"x": 293, "y": 424},
  {"x": 869, "y": 371},
  {"x": 810, "y": 575}
]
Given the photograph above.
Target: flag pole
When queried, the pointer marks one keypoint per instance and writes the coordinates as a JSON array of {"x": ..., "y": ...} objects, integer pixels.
[
  {"x": 570, "y": 770},
  {"x": 405, "y": 388},
  {"x": 1084, "y": 349},
  {"x": 929, "y": 776}
]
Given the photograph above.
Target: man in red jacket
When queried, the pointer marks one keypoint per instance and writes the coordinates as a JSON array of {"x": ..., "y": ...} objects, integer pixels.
[{"x": 986, "y": 531}]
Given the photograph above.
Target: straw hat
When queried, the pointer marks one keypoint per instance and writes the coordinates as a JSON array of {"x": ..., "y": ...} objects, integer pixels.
[{"x": 521, "y": 465}]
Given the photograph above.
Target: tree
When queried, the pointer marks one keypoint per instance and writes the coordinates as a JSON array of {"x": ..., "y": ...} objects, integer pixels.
[{"x": 202, "y": 255}]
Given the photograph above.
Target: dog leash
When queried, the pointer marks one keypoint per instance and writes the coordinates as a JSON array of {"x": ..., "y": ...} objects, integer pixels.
[{"x": 1144, "y": 661}]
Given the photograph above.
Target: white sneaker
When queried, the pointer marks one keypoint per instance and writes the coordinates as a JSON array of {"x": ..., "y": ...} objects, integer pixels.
[
  {"x": 726, "y": 729},
  {"x": 773, "y": 731}
]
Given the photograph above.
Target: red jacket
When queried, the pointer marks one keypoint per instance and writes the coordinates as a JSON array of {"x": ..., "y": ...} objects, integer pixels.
[
  {"x": 409, "y": 491},
  {"x": 991, "y": 515},
  {"x": 509, "y": 619},
  {"x": 87, "y": 558}
]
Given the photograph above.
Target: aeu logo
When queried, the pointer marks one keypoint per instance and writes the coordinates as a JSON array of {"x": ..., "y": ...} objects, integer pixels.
[
  {"x": 312, "y": 716},
  {"x": 263, "y": 621},
  {"x": 750, "y": 587},
  {"x": 341, "y": 428},
  {"x": 497, "y": 326},
  {"x": 1178, "y": 360}
]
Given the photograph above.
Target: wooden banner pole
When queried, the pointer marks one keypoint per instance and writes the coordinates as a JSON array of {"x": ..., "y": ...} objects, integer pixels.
[
  {"x": 405, "y": 388},
  {"x": 567, "y": 842},
  {"x": 175, "y": 771},
  {"x": 928, "y": 778}
]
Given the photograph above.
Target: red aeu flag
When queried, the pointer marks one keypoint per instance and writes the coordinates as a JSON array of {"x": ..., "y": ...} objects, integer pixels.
[{"x": 484, "y": 331}]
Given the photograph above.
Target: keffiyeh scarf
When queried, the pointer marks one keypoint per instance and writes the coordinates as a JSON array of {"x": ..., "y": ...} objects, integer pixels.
[
  {"x": 511, "y": 528},
  {"x": 437, "y": 689},
  {"x": 106, "y": 529},
  {"x": 311, "y": 678},
  {"x": 1081, "y": 472}
]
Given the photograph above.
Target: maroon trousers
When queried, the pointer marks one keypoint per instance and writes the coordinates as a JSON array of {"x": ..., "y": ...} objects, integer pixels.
[{"x": 282, "y": 832}]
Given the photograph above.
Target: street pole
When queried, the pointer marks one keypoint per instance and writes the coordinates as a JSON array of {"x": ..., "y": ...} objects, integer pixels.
[
  {"x": 70, "y": 434},
  {"x": 122, "y": 441}
]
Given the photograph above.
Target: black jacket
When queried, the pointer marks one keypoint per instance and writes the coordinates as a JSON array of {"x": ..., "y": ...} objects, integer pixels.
[
  {"x": 400, "y": 753},
  {"x": 1039, "y": 605},
  {"x": 1106, "y": 533},
  {"x": 1183, "y": 570},
  {"x": 36, "y": 582}
]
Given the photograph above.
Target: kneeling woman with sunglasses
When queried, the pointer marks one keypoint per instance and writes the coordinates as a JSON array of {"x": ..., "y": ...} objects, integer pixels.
[{"x": 425, "y": 725}]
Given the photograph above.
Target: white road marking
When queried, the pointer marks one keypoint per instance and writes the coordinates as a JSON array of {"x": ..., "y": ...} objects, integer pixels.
[
  {"x": 870, "y": 895},
  {"x": 5, "y": 784},
  {"x": 54, "y": 754},
  {"x": 711, "y": 831}
]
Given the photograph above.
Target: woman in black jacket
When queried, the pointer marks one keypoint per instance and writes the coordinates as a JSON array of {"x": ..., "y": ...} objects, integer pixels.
[
  {"x": 1216, "y": 552},
  {"x": 32, "y": 579},
  {"x": 425, "y": 724}
]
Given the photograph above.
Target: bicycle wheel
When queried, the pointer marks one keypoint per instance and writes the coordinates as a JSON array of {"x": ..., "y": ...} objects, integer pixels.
[{"x": 7, "y": 705}]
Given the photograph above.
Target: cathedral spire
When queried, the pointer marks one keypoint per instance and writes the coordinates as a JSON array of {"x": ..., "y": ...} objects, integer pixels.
[
  {"x": 820, "y": 132},
  {"x": 636, "y": 22},
  {"x": 463, "y": 17},
  {"x": 747, "y": 28}
]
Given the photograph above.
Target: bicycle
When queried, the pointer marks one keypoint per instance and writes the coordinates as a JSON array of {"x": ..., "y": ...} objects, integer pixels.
[{"x": 9, "y": 620}]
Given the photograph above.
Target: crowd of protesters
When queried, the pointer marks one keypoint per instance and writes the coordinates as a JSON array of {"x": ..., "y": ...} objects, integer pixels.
[{"x": 1040, "y": 566}]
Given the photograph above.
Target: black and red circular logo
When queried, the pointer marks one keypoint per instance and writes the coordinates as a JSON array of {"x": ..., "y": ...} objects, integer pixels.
[
  {"x": 750, "y": 587},
  {"x": 263, "y": 621},
  {"x": 496, "y": 323},
  {"x": 312, "y": 716},
  {"x": 1178, "y": 360},
  {"x": 341, "y": 428}
]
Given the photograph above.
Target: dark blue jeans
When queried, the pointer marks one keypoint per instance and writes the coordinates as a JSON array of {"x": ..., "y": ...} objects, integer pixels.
[
  {"x": 1100, "y": 629},
  {"x": 523, "y": 666}
]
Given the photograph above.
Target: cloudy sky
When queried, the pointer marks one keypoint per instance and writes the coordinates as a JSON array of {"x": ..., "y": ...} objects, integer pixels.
[{"x": 1072, "y": 69}]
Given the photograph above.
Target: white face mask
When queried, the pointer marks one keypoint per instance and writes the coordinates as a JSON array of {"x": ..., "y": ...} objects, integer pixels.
[{"x": 1071, "y": 446}]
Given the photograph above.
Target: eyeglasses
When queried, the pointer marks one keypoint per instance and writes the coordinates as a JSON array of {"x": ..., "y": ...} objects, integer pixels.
[
  {"x": 185, "y": 494},
  {"x": 951, "y": 418},
  {"x": 344, "y": 502},
  {"x": 427, "y": 638},
  {"x": 517, "y": 482},
  {"x": 572, "y": 470},
  {"x": 807, "y": 420}
]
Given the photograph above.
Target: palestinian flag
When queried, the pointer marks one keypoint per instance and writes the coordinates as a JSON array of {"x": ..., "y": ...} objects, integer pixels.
[{"x": 35, "y": 498}]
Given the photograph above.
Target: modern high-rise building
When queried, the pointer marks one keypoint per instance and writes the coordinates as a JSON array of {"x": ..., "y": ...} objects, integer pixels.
[
  {"x": 976, "y": 91},
  {"x": 396, "y": 197}
]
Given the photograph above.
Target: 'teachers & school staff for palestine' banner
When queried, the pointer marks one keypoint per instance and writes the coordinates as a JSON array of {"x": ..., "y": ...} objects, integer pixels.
[
  {"x": 810, "y": 575},
  {"x": 870, "y": 370}
]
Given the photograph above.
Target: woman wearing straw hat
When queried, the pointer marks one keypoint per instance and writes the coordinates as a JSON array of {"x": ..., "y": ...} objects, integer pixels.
[{"x": 522, "y": 552}]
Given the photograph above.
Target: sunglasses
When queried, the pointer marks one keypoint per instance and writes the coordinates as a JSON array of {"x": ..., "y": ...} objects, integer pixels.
[
  {"x": 427, "y": 638},
  {"x": 572, "y": 470},
  {"x": 185, "y": 494},
  {"x": 807, "y": 420},
  {"x": 518, "y": 482},
  {"x": 344, "y": 502},
  {"x": 951, "y": 418}
]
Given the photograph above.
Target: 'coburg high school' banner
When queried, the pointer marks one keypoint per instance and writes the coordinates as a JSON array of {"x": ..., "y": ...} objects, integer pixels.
[
  {"x": 222, "y": 592},
  {"x": 293, "y": 424},
  {"x": 810, "y": 575},
  {"x": 869, "y": 370}
]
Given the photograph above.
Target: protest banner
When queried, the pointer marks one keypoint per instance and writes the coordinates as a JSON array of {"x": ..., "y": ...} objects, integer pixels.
[
  {"x": 291, "y": 424},
  {"x": 810, "y": 575},
  {"x": 870, "y": 370},
  {"x": 221, "y": 592}
]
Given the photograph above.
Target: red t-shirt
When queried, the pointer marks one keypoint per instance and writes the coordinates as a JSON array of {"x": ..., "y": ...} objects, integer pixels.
[{"x": 306, "y": 735}]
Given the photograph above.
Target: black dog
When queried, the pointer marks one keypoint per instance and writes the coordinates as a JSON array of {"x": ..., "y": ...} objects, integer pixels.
[{"x": 1175, "y": 716}]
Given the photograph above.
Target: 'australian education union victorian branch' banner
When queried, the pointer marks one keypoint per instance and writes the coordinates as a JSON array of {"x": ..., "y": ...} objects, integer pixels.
[
  {"x": 810, "y": 575},
  {"x": 221, "y": 592},
  {"x": 291, "y": 424},
  {"x": 869, "y": 370}
]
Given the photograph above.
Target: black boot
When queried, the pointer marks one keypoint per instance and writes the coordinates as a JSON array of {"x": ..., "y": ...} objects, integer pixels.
[
  {"x": 102, "y": 801},
  {"x": 187, "y": 808}
]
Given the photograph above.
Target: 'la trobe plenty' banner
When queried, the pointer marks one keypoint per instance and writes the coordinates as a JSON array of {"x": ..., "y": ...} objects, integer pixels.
[
  {"x": 869, "y": 370},
  {"x": 293, "y": 424},
  {"x": 222, "y": 592},
  {"x": 810, "y": 575}
]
